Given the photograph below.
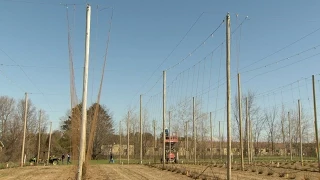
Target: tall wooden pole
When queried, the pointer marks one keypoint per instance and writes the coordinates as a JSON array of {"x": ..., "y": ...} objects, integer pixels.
[
  {"x": 220, "y": 143},
  {"x": 140, "y": 129},
  {"x": 154, "y": 141},
  {"x": 164, "y": 119},
  {"x": 120, "y": 140},
  {"x": 187, "y": 137},
  {"x": 39, "y": 140},
  {"x": 194, "y": 131},
  {"x": 315, "y": 119},
  {"x": 211, "y": 134},
  {"x": 300, "y": 131},
  {"x": 240, "y": 122},
  {"x": 290, "y": 143},
  {"x": 83, "y": 128},
  {"x": 128, "y": 137},
  {"x": 248, "y": 131},
  {"x": 228, "y": 95},
  {"x": 169, "y": 133},
  {"x": 49, "y": 147},
  {"x": 24, "y": 129}
]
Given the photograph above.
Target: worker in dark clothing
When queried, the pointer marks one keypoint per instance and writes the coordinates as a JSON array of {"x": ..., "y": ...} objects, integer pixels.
[{"x": 111, "y": 158}]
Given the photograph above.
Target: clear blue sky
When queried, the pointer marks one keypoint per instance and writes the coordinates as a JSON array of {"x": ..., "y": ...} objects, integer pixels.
[{"x": 34, "y": 35}]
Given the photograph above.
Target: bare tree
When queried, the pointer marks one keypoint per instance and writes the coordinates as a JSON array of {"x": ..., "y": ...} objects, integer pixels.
[{"x": 270, "y": 117}]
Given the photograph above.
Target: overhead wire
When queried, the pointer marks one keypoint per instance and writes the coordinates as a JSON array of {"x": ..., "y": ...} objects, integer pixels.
[
  {"x": 169, "y": 55},
  {"x": 25, "y": 74},
  {"x": 281, "y": 49}
]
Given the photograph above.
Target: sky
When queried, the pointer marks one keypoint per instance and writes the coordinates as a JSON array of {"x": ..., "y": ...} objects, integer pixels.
[{"x": 274, "y": 46}]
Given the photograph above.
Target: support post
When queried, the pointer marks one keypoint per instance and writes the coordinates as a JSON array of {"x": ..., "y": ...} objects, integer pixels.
[
  {"x": 120, "y": 142},
  {"x": 24, "y": 129},
  {"x": 164, "y": 119},
  {"x": 290, "y": 141},
  {"x": 248, "y": 131},
  {"x": 154, "y": 141},
  {"x": 49, "y": 147},
  {"x": 315, "y": 120},
  {"x": 39, "y": 140},
  {"x": 194, "y": 132},
  {"x": 228, "y": 96},
  {"x": 187, "y": 137},
  {"x": 84, "y": 96},
  {"x": 211, "y": 134},
  {"x": 220, "y": 143},
  {"x": 300, "y": 131},
  {"x": 140, "y": 129},
  {"x": 240, "y": 122},
  {"x": 169, "y": 133},
  {"x": 128, "y": 137}
]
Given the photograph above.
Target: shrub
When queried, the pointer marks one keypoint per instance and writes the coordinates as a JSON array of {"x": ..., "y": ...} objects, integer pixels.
[
  {"x": 270, "y": 172},
  {"x": 260, "y": 171}
]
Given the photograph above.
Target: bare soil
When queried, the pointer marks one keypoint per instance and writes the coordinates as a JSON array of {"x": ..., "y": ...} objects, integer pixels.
[{"x": 141, "y": 172}]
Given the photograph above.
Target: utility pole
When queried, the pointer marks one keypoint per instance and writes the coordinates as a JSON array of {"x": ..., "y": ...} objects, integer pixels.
[
  {"x": 140, "y": 129},
  {"x": 251, "y": 141},
  {"x": 164, "y": 119},
  {"x": 290, "y": 144},
  {"x": 240, "y": 121},
  {"x": 24, "y": 129},
  {"x": 169, "y": 133},
  {"x": 49, "y": 147},
  {"x": 248, "y": 131},
  {"x": 220, "y": 145},
  {"x": 39, "y": 141},
  {"x": 84, "y": 95},
  {"x": 300, "y": 131},
  {"x": 154, "y": 141},
  {"x": 228, "y": 95},
  {"x": 128, "y": 136},
  {"x": 120, "y": 144},
  {"x": 187, "y": 146},
  {"x": 194, "y": 133},
  {"x": 211, "y": 133},
  {"x": 315, "y": 119}
]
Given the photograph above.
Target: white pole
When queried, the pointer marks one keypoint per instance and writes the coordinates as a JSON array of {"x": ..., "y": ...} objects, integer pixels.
[
  {"x": 128, "y": 138},
  {"x": 84, "y": 95},
  {"x": 240, "y": 121},
  {"x": 140, "y": 129},
  {"x": 300, "y": 131},
  {"x": 169, "y": 133},
  {"x": 24, "y": 128},
  {"x": 315, "y": 120},
  {"x": 228, "y": 96},
  {"x": 120, "y": 143},
  {"x": 49, "y": 148},
  {"x": 211, "y": 133},
  {"x": 39, "y": 141},
  {"x": 164, "y": 119},
  {"x": 194, "y": 132}
]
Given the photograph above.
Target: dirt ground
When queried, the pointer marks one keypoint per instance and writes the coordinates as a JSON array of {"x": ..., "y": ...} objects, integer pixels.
[{"x": 139, "y": 172}]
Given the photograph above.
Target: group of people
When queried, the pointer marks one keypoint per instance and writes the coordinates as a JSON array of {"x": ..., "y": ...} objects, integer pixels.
[{"x": 68, "y": 158}]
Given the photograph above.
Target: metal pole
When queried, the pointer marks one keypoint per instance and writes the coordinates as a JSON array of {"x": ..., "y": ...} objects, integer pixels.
[
  {"x": 194, "y": 133},
  {"x": 128, "y": 136},
  {"x": 164, "y": 119},
  {"x": 39, "y": 141},
  {"x": 24, "y": 129},
  {"x": 290, "y": 144},
  {"x": 228, "y": 95},
  {"x": 49, "y": 147},
  {"x": 248, "y": 131},
  {"x": 211, "y": 133},
  {"x": 140, "y": 129},
  {"x": 240, "y": 122},
  {"x": 300, "y": 131},
  {"x": 84, "y": 95},
  {"x": 169, "y": 133},
  {"x": 120, "y": 144},
  {"x": 251, "y": 142},
  {"x": 315, "y": 119}
]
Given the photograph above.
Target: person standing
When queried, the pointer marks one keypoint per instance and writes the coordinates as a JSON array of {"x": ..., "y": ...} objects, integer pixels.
[
  {"x": 68, "y": 159},
  {"x": 62, "y": 158}
]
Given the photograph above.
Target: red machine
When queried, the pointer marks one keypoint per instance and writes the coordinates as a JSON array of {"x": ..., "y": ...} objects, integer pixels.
[{"x": 170, "y": 142}]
